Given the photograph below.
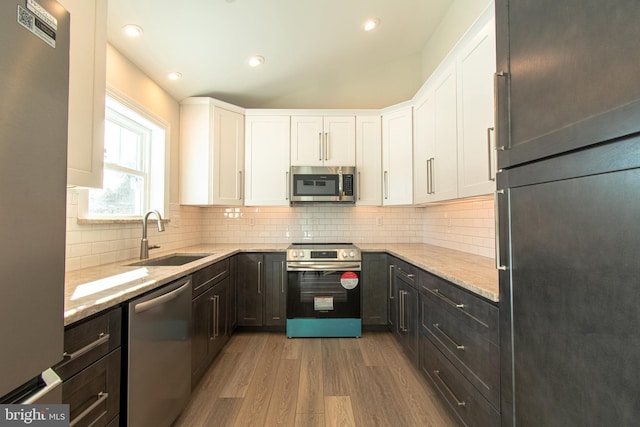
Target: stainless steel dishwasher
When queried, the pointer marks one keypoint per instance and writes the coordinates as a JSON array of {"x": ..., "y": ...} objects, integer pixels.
[{"x": 159, "y": 355}]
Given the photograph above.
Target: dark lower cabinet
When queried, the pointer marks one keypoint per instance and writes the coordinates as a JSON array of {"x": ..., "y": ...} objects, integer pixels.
[
  {"x": 262, "y": 289},
  {"x": 465, "y": 401},
  {"x": 210, "y": 316},
  {"x": 459, "y": 349},
  {"x": 91, "y": 370},
  {"x": 374, "y": 289},
  {"x": 404, "y": 307}
]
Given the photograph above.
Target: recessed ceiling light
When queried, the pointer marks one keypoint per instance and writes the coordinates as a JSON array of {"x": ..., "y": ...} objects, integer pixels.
[
  {"x": 371, "y": 24},
  {"x": 174, "y": 75},
  {"x": 133, "y": 30},
  {"x": 255, "y": 61}
]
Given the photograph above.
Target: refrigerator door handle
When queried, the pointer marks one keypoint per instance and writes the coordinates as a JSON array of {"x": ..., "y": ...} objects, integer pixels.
[{"x": 499, "y": 265}]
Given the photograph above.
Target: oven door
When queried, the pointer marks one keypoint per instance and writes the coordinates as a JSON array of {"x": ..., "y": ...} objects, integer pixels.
[{"x": 323, "y": 294}]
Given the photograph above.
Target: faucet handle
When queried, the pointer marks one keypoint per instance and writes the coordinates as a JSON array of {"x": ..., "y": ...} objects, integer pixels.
[{"x": 154, "y": 247}]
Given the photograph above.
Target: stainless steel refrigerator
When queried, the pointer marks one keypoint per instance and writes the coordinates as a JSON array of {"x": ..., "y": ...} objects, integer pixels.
[{"x": 34, "y": 86}]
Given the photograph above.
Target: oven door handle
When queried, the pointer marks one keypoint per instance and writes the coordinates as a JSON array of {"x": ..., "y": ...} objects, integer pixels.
[{"x": 299, "y": 266}]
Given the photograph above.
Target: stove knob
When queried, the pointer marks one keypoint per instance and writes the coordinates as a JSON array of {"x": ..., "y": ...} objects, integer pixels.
[
  {"x": 352, "y": 254},
  {"x": 294, "y": 254}
]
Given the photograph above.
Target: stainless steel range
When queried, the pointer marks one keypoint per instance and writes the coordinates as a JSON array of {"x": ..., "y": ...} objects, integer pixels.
[{"x": 324, "y": 290}]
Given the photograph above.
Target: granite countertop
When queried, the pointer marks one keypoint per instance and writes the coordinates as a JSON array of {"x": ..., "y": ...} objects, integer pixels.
[{"x": 92, "y": 290}]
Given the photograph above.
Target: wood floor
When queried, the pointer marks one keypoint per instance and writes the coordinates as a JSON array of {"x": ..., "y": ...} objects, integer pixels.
[{"x": 265, "y": 379}]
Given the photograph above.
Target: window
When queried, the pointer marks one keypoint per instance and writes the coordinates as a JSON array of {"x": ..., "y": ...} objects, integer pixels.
[{"x": 134, "y": 164}]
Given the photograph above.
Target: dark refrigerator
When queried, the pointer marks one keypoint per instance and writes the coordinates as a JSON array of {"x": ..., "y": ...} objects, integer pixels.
[
  {"x": 34, "y": 82},
  {"x": 568, "y": 126}
]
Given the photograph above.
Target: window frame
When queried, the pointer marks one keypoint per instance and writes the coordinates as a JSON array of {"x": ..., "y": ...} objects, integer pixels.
[{"x": 157, "y": 140}]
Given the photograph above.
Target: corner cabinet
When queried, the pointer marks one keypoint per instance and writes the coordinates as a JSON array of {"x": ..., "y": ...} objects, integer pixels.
[
  {"x": 453, "y": 150},
  {"x": 397, "y": 155},
  {"x": 267, "y": 161},
  {"x": 323, "y": 140},
  {"x": 87, "y": 83},
  {"x": 211, "y": 153}
]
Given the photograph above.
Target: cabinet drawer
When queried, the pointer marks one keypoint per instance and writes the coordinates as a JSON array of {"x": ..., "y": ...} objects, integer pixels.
[
  {"x": 462, "y": 304},
  {"x": 463, "y": 341},
  {"x": 93, "y": 395},
  {"x": 86, "y": 342},
  {"x": 405, "y": 272},
  {"x": 466, "y": 402},
  {"x": 208, "y": 276}
]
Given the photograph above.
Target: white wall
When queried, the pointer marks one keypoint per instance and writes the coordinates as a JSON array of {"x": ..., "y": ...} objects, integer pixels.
[{"x": 458, "y": 19}]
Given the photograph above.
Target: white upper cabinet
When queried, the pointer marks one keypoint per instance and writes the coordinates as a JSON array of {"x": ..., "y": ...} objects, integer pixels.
[
  {"x": 211, "y": 153},
  {"x": 267, "y": 160},
  {"x": 397, "y": 155},
  {"x": 87, "y": 81},
  {"x": 368, "y": 161},
  {"x": 323, "y": 141},
  {"x": 454, "y": 120},
  {"x": 476, "y": 158}
]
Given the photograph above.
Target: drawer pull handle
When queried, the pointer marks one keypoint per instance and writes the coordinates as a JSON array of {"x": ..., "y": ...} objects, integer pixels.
[
  {"x": 455, "y": 344},
  {"x": 102, "y": 338},
  {"x": 101, "y": 398},
  {"x": 446, "y": 387},
  {"x": 446, "y": 299}
]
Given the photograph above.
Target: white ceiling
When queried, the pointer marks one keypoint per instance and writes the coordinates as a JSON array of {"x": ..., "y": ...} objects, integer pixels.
[{"x": 317, "y": 55}]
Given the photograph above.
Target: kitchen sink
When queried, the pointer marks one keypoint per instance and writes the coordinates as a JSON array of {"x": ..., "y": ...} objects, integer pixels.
[{"x": 170, "y": 260}]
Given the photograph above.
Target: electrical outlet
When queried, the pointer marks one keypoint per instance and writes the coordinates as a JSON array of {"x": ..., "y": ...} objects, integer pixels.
[
  {"x": 252, "y": 221},
  {"x": 379, "y": 220}
]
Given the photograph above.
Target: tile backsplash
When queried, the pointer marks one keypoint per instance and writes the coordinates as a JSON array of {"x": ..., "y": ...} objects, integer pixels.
[{"x": 466, "y": 225}]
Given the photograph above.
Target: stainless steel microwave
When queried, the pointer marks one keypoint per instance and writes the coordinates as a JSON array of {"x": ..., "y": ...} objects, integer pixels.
[{"x": 324, "y": 184}]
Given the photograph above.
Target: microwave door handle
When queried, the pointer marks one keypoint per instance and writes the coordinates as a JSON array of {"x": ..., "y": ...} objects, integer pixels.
[{"x": 340, "y": 186}]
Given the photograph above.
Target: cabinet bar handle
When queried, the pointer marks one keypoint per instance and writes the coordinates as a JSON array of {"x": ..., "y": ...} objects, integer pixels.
[
  {"x": 320, "y": 146},
  {"x": 492, "y": 176},
  {"x": 359, "y": 186},
  {"x": 445, "y": 298},
  {"x": 102, "y": 338},
  {"x": 446, "y": 387},
  {"x": 498, "y": 110},
  {"x": 386, "y": 184},
  {"x": 455, "y": 344},
  {"x": 286, "y": 185},
  {"x": 406, "y": 275},
  {"x": 259, "y": 277},
  {"x": 217, "y": 318},
  {"x": 432, "y": 184},
  {"x": 102, "y": 396},
  {"x": 326, "y": 146},
  {"x": 391, "y": 268},
  {"x": 401, "y": 311},
  {"x": 212, "y": 335},
  {"x": 282, "y": 275},
  {"x": 499, "y": 265}
]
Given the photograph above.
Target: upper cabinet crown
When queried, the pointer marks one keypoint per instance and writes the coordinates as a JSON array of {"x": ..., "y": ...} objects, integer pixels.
[
  {"x": 87, "y": 82},
  {"x": 323, "y": 141},
  {"x": 211, "y": 153}
]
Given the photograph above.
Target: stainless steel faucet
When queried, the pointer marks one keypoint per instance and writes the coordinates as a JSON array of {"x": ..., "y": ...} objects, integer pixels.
[{"x": 144, "y": 243}]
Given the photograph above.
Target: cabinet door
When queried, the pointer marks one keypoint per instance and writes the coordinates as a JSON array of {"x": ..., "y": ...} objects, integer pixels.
[
  {"x": 374, "y": 291},
  {"x": 424, "y": 147},
  {"x": 589, "y": 95},
  {"x": 267, "y": 161},
  {"x": 397, "y": 152},
  {"x": 444, "y": 185},
  {"x": 219, "y": 328},
  {"x": 476, "y": 66},
  {"x": 307, "y": 141},
  {"x": 228, "y": 169},
  {"x": 250, "y": 289},
  {"x": 339, "y": 141},
  {"x": 87, "y": 82},
  {"x": 369, "y": 160},
  {"x": 275, "y": 298},
  {"x": 201, "y": 313}
]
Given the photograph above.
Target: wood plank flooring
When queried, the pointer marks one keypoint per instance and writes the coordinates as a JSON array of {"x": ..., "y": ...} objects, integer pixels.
[{"x": 265, "y": 379}]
